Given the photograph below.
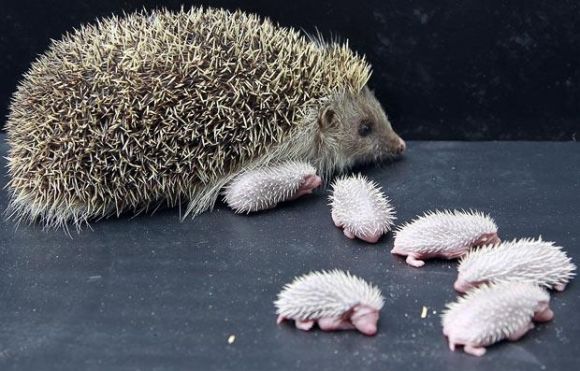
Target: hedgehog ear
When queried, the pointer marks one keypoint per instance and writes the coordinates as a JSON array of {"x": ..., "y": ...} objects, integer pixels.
[{"x": 327, "y": 118}]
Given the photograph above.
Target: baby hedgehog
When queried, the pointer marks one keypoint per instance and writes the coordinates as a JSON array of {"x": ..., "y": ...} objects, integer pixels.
[
  {"x": 360, "y": 208},
  {"x": 492, "y": 313},
  {"x": 526, "y": 260},
  {"x": 162, "y": 107},
  {"x": 262, "y": 189},
  {"x": 443, "y": 234},
  {"x": 335, "y": 300}
]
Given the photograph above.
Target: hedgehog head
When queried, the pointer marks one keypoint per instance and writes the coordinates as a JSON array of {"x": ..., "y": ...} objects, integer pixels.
[
  {"x": 365, "y": 318},
  {"x": 355, "y": 128},
  {"x": 470, "y": 276},
  {"x": 490, "y": 238},
  {"x": 462, "y": 284}
]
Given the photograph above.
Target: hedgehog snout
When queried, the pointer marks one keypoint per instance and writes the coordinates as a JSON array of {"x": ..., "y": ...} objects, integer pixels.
[
  {"x": 462, "y": 286},
  {"x": 307, "y": 185},
  {"x": 311, "y": 182},
  {"x": 365, "y": 319},
  {"x": 396, "y": 145},
  {"x": 488, "y": 239},
  {"x": 402, "y": 146}
]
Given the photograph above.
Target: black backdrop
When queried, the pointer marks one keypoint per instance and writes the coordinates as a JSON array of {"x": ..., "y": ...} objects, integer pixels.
[{"x": 446, "y": 69}]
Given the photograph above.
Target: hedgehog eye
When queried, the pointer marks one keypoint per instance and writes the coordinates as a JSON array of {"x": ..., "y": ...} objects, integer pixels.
[{"x": 365, "y": 128}]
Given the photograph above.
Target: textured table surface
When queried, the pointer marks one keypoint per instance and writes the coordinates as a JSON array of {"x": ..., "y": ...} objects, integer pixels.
[{"x": 152, "y": 293}]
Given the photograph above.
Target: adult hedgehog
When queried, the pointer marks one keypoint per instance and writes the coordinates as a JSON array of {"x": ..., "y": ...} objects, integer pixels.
[{"x": 161, "y": 106}]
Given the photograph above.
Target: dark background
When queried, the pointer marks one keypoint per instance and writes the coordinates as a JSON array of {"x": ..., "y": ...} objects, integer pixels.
[{"x": 445, "y": 70}]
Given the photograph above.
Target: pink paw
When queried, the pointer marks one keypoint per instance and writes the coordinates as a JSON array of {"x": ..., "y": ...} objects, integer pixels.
[
  {"x": 474, "y": 350},
  {"x": 304, "y": 325},
  {"x": 414, "y": 262}
]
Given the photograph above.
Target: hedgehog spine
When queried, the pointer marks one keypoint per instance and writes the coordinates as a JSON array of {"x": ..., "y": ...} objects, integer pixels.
[
  {"x": 326, "y": 294},
  {"x": 491, "y": 313},
  {"x": 265, "y": 187},
  {"x": 428, "y": 230},
  {"x": 525, "y": 260}
]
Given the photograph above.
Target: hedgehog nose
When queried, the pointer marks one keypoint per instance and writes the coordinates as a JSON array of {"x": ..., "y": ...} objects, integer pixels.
[
  {"x": 367, "y": 328},
  {"x": 399, "y": 146},
  {"x": 402, "y": 145},
  {"x": 460, "y": 286}
]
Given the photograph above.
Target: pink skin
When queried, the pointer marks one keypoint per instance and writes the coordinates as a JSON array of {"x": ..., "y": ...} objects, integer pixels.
[
  {"x": 560, "y": 287},
  {"x": 488, "y": 239},
  {"x": 364, "y": 319},
  {"x": 369, "y": 237},
  {"x": 542, "y": 314},
  {"x": 416, "y": 259},
  {"x": 308, "y": 184},
  {"x": 361, "y": 317},
  {"x": 463, "y": 286}
]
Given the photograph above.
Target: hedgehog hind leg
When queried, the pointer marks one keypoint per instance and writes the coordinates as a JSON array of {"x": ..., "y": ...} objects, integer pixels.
[
  {"x": 413, "y": 261},
  {"x": 474, "y": 350}
]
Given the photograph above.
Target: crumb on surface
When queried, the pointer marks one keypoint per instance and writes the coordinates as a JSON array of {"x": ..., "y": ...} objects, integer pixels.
[
  {"x": 424, "y": 312},
  {"x": 231, "y": 339}
]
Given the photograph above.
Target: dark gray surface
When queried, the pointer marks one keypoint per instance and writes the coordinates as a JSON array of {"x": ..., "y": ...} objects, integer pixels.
[{"x": 153, "y": 293}]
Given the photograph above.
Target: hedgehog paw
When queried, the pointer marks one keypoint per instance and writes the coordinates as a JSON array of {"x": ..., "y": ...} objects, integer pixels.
[
  {"x": 304, "y": 325},
  {"x": 414, "y": 262},
  {"x": 473, "y": 350}
]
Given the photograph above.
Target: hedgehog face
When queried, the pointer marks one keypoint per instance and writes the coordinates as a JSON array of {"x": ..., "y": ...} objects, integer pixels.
[
  {"x": 462, "y": 285},
  {"x": 488, "y": 239},
  {"x": 360, "y": 129},
  {"x": 364, "y": 318}
]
